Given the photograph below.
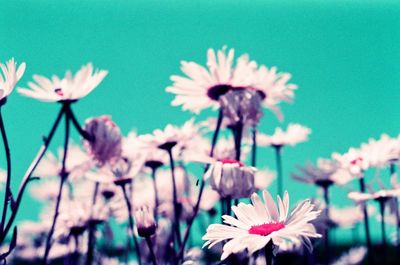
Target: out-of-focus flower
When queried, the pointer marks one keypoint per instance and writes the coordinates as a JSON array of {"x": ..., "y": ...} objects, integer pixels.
[
  {"x": 202, "y": 87},
  {"x": 324, "y": 174},
  {"x": 273, "y": 87},
  {"x": 106, "y": 143},
  {"x": 294, "y": 134},
  {"x": 11, "y": 75},
  {"x": 69, "y": 88},
  {"x": 259, "y": 223},
  {"x": 381, "y": 152},
  {"x": 144, "y": 220},
  {"x": 46, "y": 189},
  {"x": 353, "y": 257},
  {"x": 346, "y": 217},
  {"x": 263, "y": 179},
  {"x": 381, "y": 195},
  {"x": 77, "y": 164},
  {"x": 231, "y": 178},
  {"x": 353, "y": 161},
  {"x": 172, "y": 137}
]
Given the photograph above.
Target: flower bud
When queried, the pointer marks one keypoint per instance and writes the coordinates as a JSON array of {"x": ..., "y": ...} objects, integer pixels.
[
  {"x": 105, "y": 145},
  {"x": 145, "y": 223},
  {"x": 230, "y": 178},
  {"x": 242, "y": 105}
]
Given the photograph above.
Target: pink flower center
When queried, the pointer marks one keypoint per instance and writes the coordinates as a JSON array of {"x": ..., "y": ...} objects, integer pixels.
[
  {"x": 59, "y": 92},
  {"x": 231, "y": 161},
  {"x": 355, "y": 161},
  {"x": 265, "y": 229}
]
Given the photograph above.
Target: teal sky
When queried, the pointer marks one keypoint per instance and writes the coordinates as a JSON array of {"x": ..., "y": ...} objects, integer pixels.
[{"x": 344, "y": 55}]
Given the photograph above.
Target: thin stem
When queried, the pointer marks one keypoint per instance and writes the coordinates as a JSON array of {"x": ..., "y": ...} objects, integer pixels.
[
  {"x": 254, "y": 148},
  {"x": 7, "y": 194},
  {"x": 383, "y": 230},
  {"x": 29, "y": 172},
  {"x": 202, "y": 185},
  {"x": 177, "y": 208},
  {"x": 153, "y": 177},
  {"x": 278, "y": 156},
  {"x": 77, "y": 126},
  {"x": 327, "y": 241},
  {"x": 92, "y": 230},
  {"x": 268, "y": 253},
  {"x": 228, "y": 205},
  {"x": 131, "y": 225},
  {"x": 366, "y": 222},
  {"x": 152, "y": 255},
  {"x": 63, "y": 176}
]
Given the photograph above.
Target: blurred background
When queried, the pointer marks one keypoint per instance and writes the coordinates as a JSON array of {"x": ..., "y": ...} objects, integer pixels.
[{"x": 344, "y": 56}]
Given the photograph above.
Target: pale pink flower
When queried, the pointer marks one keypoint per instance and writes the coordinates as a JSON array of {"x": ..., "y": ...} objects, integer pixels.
[
  {"x": 69, "y": 88},
  {"x": 11, "y": 75},
  {"x": 231, "y": 178},
  {"x": 294, "y": 134},
  {"x": 259, "y": 223},
  {"x": 202, "y": 87}
]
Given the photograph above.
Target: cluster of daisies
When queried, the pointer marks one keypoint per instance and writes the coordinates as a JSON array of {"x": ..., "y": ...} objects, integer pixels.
[{"x": 156, "y": 198}]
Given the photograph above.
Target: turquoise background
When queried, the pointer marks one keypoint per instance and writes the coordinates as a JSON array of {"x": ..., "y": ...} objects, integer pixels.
[{"x": 344, "y": 55}]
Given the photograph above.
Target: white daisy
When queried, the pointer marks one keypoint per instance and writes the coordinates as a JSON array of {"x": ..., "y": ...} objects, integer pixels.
[
  {"x": 77, "y": 163},
  {"x": 294, "y": 134},
  {"x": 11, "y": 75},
  {"x": 259, "y": 223},
  {"x": 381, "y": 195},
  {"x": 69, "y": 88},
  {"x": 381, "y": 152},
  {"x": 346, "y": 217},
  {"x": 324, "y": 174},
  {"x": 354, "y": 161},
  {"x": 202, "y": 87},
  {"x": 353, "y": 257},
  {"x": 172, "y": 137}
]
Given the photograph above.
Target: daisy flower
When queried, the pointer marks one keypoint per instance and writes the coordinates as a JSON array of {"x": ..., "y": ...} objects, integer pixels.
[
  {"x": 172, "y": 136},
  {"x": 231, "y": 178},
  {"x": 259, "y": 223},
  {"x": 324, "y": 174},
  {"x": 11, "y": 75},
  {"x": 353, "y": 257},
  {"x": 69, "y": 88},
  {"x": 381, "y": 195},
  {"x": 354, "y": 161},
  {"x": 294, "y": 134},
  {"x": 77, "y": 164},
  {"x": 346, "y": 217},
  {"x": 381, "y": 152},
  {"x": 202, "y": 86}
]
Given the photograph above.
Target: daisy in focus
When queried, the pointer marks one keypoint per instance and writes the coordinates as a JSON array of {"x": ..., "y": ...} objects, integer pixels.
[
  {"x": 11, "y": 75},
  {"x": 202, "y": 86},
  {"x": 69, "y": 88},
  {"x": 259, "y": 223}
]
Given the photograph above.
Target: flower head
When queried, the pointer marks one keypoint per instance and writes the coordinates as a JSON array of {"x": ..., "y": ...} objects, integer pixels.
[
  {"x": 294, "y": 134},
  {"x": 145, "y": 222},
  {"x": 202, "y": 87},
  {"x": 324, "y": 174},
  {"x": 11, "y": 75},
  {"x": 258, "y": 223},
  {"x": 69, "y": 88},
  {"x": 105, "y": 145},
  {"x": 231, "y": 178}
]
